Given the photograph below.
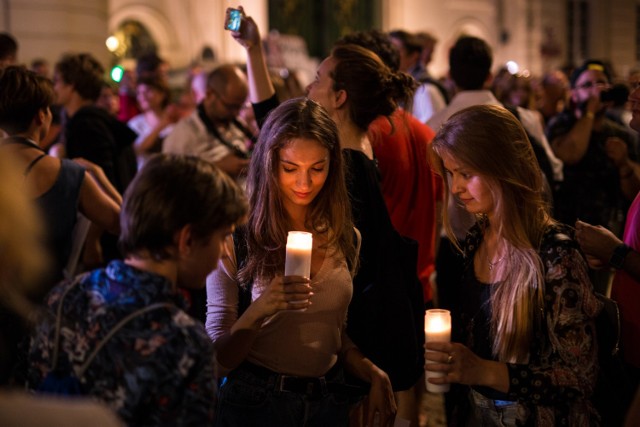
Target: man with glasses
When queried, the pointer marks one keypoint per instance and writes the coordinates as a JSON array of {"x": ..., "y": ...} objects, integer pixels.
[
  {"x": 214, "y": 132},
  {"x": 596, "y": 153}
]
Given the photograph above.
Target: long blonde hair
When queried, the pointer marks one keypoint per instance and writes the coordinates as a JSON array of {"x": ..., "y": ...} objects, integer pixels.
[{"x": 491, "y": 141}]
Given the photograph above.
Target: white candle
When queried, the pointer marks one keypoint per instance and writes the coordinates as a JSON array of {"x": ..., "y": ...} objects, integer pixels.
[
  {"x": 437, "y": 328},
  {"x": 298, "y": 257}
]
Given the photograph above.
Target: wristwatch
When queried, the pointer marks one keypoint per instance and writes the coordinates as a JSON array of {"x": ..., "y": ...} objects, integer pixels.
[{"x": 619, "y": 254}]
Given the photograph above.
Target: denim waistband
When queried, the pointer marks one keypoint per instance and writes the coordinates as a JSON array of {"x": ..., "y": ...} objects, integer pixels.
[
  {"x": 314, "y": 387},
  {"x": 484, "y": 402}
]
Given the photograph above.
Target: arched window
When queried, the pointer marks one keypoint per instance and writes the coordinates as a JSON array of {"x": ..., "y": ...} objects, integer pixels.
[{"x": 134, "y": 40}]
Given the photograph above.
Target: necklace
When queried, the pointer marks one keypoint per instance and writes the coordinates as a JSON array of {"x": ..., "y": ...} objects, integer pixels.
[{"x": 493, "y": 264}]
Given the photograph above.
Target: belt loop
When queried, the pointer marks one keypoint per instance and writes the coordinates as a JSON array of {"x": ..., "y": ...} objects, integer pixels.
[{"x": 323, "y": 386}]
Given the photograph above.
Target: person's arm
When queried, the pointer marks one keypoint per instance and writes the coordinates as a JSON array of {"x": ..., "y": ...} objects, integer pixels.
[
  {"x": 628, "y": 171},
  {"x": 98, "y": 174},
  {"x": 260, "y": 85},
  {"x": 233, "y": 336},
  {"x": 98, "y": 207},
  {"x": 233, "y": 165},
  {"x": 598, "y": 242},
  {"x": 465, "y": 367},
  {"x": 569, "y": 370},
  {"x": 572, "y": 146},
  {"x": 146, "y": 142},
  {"x": 381, "y": 400},
  {"x": 570, "y": 367}
]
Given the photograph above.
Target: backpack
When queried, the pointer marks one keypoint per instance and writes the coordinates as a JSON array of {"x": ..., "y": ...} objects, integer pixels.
[
  {"x": 66, "y": 381},
  {"x": 386, "y": 320}
]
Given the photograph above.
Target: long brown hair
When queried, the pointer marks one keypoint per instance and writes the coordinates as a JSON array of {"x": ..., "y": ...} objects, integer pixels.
[
  {"x": 269, "y": 223},
  {"x": 491, "y": 141},
  {"x": 373, "y": 89}
]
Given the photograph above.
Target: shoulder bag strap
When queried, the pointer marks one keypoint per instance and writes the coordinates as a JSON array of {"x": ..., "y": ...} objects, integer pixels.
[
  {"x": 56, "y": 339},
  {"x": 116, "y": 328}
]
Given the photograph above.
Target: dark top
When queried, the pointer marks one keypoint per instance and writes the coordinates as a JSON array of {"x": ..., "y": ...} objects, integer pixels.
[
  {"x": 560, "y": 376},
  {"x": 591, "y": 188},
  {"x": 92, "y": 133},
  {"x": 59, "y": 206}
]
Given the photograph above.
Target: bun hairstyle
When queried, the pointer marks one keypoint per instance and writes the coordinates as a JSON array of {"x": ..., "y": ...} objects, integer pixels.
[{"x": 373, "y": 89}]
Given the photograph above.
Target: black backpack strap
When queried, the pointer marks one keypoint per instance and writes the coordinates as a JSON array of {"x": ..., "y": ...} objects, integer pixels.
[
  {"x": 213, "y": 131},
  {"x": 241, "y": 250}
]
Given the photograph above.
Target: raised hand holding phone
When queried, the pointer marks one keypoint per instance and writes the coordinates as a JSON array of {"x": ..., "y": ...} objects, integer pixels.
[{"x": 233, "y": 19}]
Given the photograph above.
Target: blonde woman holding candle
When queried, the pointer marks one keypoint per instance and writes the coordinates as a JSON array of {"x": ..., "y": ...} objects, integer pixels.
[
  {"x": 527, "y": 319},
  {"x": 286, "y": 351}
]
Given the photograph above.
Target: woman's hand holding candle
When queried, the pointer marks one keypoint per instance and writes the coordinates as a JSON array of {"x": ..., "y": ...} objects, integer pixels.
[
  {"x": 437, "y": 328},
  {"x": 455, "y": 363},
  {"x": 284, "y": 293}
]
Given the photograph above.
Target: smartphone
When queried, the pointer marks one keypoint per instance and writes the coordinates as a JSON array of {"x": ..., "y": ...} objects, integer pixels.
[{"x": 233, "y": 19}]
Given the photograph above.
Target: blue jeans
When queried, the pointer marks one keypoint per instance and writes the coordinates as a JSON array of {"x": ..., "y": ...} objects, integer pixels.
[
  {"x": 486, "y": 412},
  {"x": 250, "y": 398}
]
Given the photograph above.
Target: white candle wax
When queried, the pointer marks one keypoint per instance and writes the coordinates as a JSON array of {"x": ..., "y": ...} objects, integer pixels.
[
  {"x": 437, "y": 328},
  {"x": 298, "y": 255}
]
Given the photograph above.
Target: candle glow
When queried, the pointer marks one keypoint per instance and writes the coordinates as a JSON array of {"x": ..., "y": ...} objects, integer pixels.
[{"x": 437, "y": 328}]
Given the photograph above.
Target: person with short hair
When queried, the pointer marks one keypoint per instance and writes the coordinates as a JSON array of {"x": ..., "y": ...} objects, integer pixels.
[
  {"x": 60, "y": 187},
  {"x": 156, "y": 121},
  {"x": 214, "y": 131},
  {"x": 22, "y": 265},
  {"x": 90, "y": 132},
  {"x": 597, "y": 154},
  {"x": 158, "y": 369},
  {"x": 523, "y": 343},
  {"x": 8, "y": 50},
  {"x": 429, "y": 97}
]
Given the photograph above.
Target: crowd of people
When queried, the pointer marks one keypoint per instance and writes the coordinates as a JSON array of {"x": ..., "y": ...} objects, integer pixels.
[{"x": 144, "y": 238}]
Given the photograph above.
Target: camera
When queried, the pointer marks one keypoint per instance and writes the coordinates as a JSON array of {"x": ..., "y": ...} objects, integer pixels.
[
  {"x": 607, "y": 95},
  {"x": 233, "y": 19}
]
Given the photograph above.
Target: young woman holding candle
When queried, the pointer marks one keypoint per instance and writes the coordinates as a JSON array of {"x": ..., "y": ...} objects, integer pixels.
[
  {"x": 283, "y": 350},
  {"x": 527, "y": 322},
  {"x": 356, "y": 87}
]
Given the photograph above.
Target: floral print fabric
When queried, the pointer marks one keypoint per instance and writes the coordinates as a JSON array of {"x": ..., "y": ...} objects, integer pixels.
[{"x": 157, "y": 370}]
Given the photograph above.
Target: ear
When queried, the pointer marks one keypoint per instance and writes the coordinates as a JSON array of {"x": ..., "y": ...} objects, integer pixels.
[
  {"x": 184, "y": 240},
  {"x": 340, "y": 98},
  {"x": 40, "y": 116},
  {"x": 488, "y": 80}
]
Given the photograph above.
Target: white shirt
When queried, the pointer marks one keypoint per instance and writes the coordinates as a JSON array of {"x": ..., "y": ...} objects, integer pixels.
[
  {"x": 190, "y": 136},
  {"x": 427, "y": 100}
]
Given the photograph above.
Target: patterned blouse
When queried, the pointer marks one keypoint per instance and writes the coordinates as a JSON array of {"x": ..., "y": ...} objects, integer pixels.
[
  {"x": 556, "y": 385},
  {"x": 157, "y": 370}
]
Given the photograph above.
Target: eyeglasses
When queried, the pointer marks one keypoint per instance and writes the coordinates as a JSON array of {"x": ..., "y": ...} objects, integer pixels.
[
  {"x": 228, "y": 105},
  {"x": 589, "y": 85}
]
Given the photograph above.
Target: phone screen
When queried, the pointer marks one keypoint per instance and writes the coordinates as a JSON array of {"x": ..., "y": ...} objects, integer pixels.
[{"x": 234, "y": 18}]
